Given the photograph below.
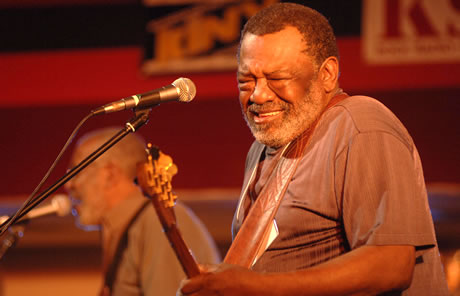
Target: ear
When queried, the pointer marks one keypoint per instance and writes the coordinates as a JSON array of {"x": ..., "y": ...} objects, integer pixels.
[
  {"x": 111, "y": 174},
  {"x": 329, "y": 74}
]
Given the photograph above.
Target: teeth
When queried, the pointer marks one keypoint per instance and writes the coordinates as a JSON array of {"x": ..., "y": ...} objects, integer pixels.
[{"x": 269, "y": 114}]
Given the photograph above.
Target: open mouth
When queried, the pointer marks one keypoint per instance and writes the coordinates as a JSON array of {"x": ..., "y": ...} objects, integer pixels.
[{"x": 263, "y": 117}]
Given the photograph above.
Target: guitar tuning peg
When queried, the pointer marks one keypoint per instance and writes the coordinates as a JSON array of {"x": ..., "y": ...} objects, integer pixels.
[
  {"x": 166, "y": 162},
  {"x": 153, "y": 151},
  {"x": 172, "y": 169},
  {"x": 171, "y": 200}
]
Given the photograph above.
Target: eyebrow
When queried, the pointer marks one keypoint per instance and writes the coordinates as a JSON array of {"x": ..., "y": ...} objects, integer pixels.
[
  {"x": 247, "y": 73},
  {"x": 242, "y": 73},
  {"x": 283, "y": 71}
]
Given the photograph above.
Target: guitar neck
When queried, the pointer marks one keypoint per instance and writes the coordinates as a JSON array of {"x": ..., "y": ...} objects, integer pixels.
[
  {"x": 186, "y": 259},
  {"x": 183, "y": 254}
]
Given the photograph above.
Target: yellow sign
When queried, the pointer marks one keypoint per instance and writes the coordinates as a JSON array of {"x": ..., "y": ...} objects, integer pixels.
[{"x": 200, "y": 37}]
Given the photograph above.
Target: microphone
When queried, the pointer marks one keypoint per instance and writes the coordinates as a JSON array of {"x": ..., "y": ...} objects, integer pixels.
[
  {"x": 182, "y": 90},
  {"x": 60, "y": 205}
]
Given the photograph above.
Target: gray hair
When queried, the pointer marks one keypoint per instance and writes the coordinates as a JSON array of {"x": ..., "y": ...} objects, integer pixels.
[{"x": 316, "y": 31}]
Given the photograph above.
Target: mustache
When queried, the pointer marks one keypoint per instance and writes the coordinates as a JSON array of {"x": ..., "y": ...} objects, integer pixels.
[{"x": 267, "y": 107}]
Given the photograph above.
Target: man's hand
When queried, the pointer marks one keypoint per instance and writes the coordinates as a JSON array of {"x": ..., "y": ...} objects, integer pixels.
[
  {"x": 368, "y": 270},
  {"x": 222, "y": 279}
]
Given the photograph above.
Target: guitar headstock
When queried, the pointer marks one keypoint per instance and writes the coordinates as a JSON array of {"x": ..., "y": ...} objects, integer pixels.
[{"x": 155, "y": 176}]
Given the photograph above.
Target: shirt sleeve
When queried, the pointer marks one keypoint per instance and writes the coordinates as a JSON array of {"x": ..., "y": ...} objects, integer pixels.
[{"x": 384, "y": 197}]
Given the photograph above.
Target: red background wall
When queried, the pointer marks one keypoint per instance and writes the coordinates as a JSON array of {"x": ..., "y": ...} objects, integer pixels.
[{"x": 45, "y": 93}]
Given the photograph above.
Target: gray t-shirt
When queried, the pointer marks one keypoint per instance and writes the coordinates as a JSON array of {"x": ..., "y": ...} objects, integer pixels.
[
  {"x": 359, "y": 182},
  {"x": 148, "y": 265}
]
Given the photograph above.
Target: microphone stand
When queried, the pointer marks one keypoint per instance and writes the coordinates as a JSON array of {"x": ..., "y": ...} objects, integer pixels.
[{"x": 140, "y": 118}]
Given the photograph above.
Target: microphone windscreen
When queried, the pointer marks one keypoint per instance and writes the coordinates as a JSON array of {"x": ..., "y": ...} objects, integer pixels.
[
  {"x": 62, "y": 204},
  {"x": 187, "y": 89}
]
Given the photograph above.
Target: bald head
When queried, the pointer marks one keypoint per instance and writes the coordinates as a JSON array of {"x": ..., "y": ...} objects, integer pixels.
[
  {"x": 107, "y": 181},
  {"x": 125, "y": 154}
]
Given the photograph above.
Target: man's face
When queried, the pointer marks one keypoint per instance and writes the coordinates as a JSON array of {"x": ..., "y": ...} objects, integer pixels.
[
  {"x": 279, "y": 95},
  {"x": 87, "y": 189}
]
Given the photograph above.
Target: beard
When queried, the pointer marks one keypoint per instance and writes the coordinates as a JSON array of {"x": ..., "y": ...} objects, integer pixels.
[
  {"x": 295, "y": 118},
  {"x": 90, "y": 213}
]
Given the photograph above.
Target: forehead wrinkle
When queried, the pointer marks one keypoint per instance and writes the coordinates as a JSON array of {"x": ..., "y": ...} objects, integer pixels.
[
  {"x": 263, "y": 68},
  {"x": 260, "y": 56},
  {"x": 248, "y": 69},
  {"x": 279, "y": 71}
]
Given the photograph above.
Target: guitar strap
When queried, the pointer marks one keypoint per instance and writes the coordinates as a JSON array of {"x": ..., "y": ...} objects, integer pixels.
[
  {"x": 254, "y": 235},
  {"x": 111, "y": 272}
]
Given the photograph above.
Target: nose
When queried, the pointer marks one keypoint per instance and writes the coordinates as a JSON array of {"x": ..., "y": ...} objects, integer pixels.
[{"x": 262, "y": 92}]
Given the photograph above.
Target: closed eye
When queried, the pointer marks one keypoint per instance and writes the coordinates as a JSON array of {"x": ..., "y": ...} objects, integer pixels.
[
  {"x": 278, "y": 83},
  {"x": 245, "y": 85}
]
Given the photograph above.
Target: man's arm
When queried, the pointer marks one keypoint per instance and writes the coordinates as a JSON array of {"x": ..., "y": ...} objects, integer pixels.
[{"x": 367, "y": 270}]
